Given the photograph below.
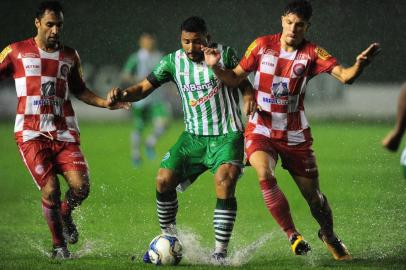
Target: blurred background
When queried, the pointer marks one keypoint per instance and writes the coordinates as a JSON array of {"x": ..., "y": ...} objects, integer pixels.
[{"x": 105, "y": 33}]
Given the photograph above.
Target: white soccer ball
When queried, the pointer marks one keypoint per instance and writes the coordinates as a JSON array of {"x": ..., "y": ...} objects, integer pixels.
[{"x": 165, "y": 250}]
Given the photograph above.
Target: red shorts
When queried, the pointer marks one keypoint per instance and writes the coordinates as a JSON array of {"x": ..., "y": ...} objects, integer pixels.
[
  {"x": 44, "y": 157},
  {"x": 297, "y": 159}
]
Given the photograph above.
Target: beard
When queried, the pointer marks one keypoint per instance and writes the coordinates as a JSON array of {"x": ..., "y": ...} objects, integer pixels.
[{"x": 52, "y": 42}]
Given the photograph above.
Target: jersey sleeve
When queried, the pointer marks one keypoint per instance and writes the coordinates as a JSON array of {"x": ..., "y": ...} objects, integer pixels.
[
  {"x": 75, "y": 79},
  {"x": 323, "y": 62},
  {"x": 230, "y": 58},
  {"x": 162, "y": 73},
  {"x": 6, "y": 67},
  {"x": 249, "y": 62}
]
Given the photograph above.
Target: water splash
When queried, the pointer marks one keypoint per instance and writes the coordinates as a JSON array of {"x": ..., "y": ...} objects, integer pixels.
[
  {"x": 38, "y": 247},
  {"x": 193, "y": 251},
  {"x": 243, "y": 255},
  {"x": 195, "y": 254}
]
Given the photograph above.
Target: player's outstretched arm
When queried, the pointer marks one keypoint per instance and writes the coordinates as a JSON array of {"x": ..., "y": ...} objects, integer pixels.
[
  {"x": 131, "y": 94},
  {"x": 89, "y": 97},
  {"x": 80, "y": 90},
  {"x": 231, "y": 77},
  {"x": 348, "y": 75}
]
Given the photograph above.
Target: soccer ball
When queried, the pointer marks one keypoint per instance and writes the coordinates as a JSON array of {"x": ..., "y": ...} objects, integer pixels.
[{"x": 165, "y": 250}]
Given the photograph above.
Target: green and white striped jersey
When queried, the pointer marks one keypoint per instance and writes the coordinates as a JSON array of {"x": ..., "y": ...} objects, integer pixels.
[{"x": 209, "y": 106}]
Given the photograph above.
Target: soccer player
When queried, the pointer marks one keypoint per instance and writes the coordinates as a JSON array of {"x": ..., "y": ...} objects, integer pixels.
[
  {"x": 46, "y": 130},
  {"x": 283, "y": 63},
  {"x": 155, "y": 109},
  {"x": 213, "y": 136}
]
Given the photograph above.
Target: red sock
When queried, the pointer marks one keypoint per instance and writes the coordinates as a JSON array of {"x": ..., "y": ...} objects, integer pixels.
[
  {"x": 65, "y": 208},
  {"x": 278, "y": 205},
  {"x": 53, "y": 218}
]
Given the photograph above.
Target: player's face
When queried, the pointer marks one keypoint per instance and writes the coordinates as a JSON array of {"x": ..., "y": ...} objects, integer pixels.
[
  {"x": 191, "y": 43},
  {"x": 147, "y": 42},
  {"x": 293, "y": 29},
  {"x": 49, "y": 28}
]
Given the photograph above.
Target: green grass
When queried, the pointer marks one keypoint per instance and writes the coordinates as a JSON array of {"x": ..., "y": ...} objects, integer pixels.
[{"x": 363, "y": 183}]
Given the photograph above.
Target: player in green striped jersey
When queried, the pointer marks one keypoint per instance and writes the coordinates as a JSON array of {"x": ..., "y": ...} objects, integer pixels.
[{"x": 213, "y": 136}]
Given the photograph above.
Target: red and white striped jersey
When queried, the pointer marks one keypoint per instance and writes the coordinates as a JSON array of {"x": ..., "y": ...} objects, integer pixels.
[
  {"x": 280, "y": 83},
  {"x": 43, "y": 81}
]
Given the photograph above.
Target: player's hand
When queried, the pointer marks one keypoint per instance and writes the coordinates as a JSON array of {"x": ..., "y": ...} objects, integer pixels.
[
  {"x": 116, "y": 99},
  {"x": 119, "y": 105},
  {"x": 367, "y": 56},
  {"x": 250, "y": 105},
  {"x": 211, "y": 56}
]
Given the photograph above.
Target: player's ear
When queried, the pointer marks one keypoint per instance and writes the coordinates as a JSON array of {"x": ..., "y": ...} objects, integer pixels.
[{"x": 37, "y": 22}]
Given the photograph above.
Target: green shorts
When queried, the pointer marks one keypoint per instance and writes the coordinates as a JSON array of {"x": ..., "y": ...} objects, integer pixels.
[{"x": 192, "y": 154}]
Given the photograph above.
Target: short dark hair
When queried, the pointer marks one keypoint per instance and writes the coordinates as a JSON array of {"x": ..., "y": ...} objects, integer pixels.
[
  {"x": 301, "y": 8},
  {"x": 54, "y": 6},
  {"x": 194, "y": 24}
]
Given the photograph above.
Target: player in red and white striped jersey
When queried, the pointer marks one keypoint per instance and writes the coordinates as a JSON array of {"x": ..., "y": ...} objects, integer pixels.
[
  {"x": 46, "y": 130},
  {"x": 283, "y": 63}
]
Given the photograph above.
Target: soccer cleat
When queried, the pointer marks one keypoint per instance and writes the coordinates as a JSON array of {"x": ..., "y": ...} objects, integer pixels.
[
  {"x": 299, "y": 245},
  {"x": 146, "y": 258},
  {"x": 219, "y": 257},
  {"x": 70, "y": 233},
  {"x": 336, "y": 247},
  {"x": 61, "y": 253}
]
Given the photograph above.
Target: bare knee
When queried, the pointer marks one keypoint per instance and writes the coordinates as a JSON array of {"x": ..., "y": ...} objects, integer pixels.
[
  {"x": 226, "y": 180},
  {"x": 264, "y": 164},
  {"x": 81, "y": 190},
  {"x": 51, "y": 194},
  {"x": 166, "y": 180},
  {"x": 227, "y": 176},
  {"x": 263, "y": 172}
]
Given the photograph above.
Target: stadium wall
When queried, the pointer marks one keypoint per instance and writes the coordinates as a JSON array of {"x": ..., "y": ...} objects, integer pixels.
[{"x": 363, "y": 101}]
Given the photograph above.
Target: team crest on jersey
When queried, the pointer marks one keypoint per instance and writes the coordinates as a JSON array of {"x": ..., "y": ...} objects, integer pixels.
[
  {"x": 250, "y": 48},
  {"x": 299, "y": 69},
  {"x": 322, "y": 53},
  {"x": 280, "y": 89},
  {"x": 4, "y": 53}
]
